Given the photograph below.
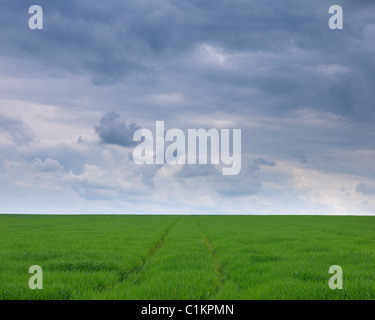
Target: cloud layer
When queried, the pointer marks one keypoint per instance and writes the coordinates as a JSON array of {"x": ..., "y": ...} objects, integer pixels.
[
  {"x": 72, "y": 95},
  {"x": 113, "y": 130}
]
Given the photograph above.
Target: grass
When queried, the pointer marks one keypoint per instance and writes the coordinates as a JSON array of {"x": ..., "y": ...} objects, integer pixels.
[{"x": 187, "y": 257}]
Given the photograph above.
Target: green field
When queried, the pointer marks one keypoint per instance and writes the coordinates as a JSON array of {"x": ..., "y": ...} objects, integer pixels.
[{"x": 187, "y": 257}]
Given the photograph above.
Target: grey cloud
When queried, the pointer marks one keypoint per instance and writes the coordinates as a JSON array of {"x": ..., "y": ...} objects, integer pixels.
[
  {"x": 190, "y": 171},
  {"x": 78, "y": 37},
  {"x": 112, "y": 130},
  {"x": 264, "y": 162},
  {"x": 15, "y": 130},
  {"x": 147, "y": 174},
  {"x": 287, "y": 49},
  {"x": 366, "y": 189},
  {"x": 245, "y": 183},
  {"x": 265, "y": 62},
  {"x": 47, "y": 165},
  {"x": 298, "y": 155}
]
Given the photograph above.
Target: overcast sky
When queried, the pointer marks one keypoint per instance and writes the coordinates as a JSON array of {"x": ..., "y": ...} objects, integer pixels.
[{"x": 72, "y": 94}]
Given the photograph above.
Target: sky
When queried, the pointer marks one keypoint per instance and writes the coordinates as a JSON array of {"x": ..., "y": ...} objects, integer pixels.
[{"x": 72, "y": 95}]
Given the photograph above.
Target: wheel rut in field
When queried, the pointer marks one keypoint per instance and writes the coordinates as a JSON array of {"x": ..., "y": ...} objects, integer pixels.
[
  {"x": 140, "y": 265},
  {"x": 215, "y": 259},
  {"x": 137, "y": 268}
]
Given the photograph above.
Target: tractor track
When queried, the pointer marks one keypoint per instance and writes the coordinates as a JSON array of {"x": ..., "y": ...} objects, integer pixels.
[
  {"x": 217, "y": 264},
  {"x": 140, "y": 265}
]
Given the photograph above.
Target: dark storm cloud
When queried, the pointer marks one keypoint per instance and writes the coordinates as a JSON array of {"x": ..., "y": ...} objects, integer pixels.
[
  {"x": 78, "y": 36},
  {"x": 112, "y": 130},
  {"x": 291, "y": 58},
  {"x": 15, "y": 130}
]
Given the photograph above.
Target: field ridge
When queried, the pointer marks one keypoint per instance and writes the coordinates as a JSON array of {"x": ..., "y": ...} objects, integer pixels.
[
  {"x": 216, "y": 262},
  {"x": 140, "y": 265}
]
